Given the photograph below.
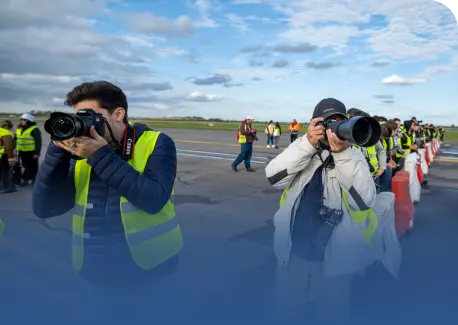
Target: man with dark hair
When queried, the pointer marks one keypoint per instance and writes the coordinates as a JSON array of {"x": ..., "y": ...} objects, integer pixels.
[
  {"x": 381, "y": 119},
  {"x": 125, "y": 232}
]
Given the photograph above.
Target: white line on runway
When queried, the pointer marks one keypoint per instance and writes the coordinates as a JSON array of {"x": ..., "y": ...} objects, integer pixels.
[
  {"x": 214, "y": 157},
  {"x": 217, "y": 153},
  {"x": 442, "y": 157},
  {"x": 450, "y": 152}
]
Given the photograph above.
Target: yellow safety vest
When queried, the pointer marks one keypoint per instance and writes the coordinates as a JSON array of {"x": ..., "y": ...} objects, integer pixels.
[
  {"x": 25, "y": 141},
  {"x": 368, "y": 216},
  {"x": 152, "y": 239},
  {"x": 371, "y": 154},
  {"x": 278, "y": 131},
  {"x": 3, "y": 133},
  {"x": 2, "y": 227},
  {"x": 388, "y": 145},
  {"x": 406, "y": 151},
  {"x": 242, "y": 137}
]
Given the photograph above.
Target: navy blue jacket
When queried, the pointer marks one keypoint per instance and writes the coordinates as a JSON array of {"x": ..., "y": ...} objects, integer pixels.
[{"x": 106, "y": 251}]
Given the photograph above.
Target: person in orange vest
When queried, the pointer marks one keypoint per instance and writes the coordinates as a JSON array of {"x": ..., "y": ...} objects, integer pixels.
[{"x": 294, "y": 130}]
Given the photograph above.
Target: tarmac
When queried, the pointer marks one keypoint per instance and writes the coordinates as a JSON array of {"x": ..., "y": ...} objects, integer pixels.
[{"x": 226, "y": 219}]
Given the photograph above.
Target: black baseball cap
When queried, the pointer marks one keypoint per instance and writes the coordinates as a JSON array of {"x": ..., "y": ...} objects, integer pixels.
[{"x": 328, "y": 107}]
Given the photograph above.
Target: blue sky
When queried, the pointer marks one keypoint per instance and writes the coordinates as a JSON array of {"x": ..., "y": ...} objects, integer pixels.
[{"x": 273, "y": 59}]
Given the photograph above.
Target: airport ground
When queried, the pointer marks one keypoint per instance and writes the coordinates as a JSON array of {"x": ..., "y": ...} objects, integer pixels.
[{"x": 232, "y": 213}]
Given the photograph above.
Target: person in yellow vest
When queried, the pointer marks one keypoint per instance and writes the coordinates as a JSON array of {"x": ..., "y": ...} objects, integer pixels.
[
  {"x": 277, "y": 134},
  {"x": 6, "y": 158},
  {"x": 121, "y": 190},
  {"x": 28, "y": 146},
  {"x": 327, "y": 198},
  {"x": 269, "y": 131},
  {"x": 406, "y": 144},
  {"x": 246, "y": 135}
]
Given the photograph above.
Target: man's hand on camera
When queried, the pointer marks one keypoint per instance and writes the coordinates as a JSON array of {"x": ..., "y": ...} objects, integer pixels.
[
  {"x": 335, "y": 143},
  {"x": 315, "y": 133},
  {"x": 83, "y": 147}
]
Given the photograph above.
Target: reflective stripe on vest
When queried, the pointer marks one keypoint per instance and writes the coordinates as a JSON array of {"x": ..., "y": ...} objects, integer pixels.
[
  {"x": 4, "y": 133},
  {"x": 371, "y": 154},
  {"x": 406, "y": 151},
  {"x": 388, "y": 146},
  {"x": 152, "y": 239},
  {"x": 368, "y": 217},
  {"x": 25, "y": 141},
  {"x": 242, "y": 137}
]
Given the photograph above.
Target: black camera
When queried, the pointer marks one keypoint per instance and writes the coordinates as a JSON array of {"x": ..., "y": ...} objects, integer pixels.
[
  {"x": 359, "y": 131},
  {"x": 331, "y": 219},
  {"x": 63, "y": 126}
]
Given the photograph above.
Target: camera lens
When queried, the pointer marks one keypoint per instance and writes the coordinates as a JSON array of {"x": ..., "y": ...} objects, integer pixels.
[
  {"x": 64, "y": 127},
  {"x": 361, "y": 131}
]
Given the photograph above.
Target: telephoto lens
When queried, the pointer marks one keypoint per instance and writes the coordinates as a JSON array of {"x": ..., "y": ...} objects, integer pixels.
[
  {"x": 63, "y": 126},
  {"x": 359, "y": 130}
]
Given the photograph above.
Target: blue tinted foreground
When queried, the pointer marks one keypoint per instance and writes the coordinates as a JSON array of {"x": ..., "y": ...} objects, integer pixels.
[{"x": 216, "y": 291}]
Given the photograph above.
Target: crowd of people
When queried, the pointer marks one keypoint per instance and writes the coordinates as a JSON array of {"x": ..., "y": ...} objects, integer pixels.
[
  {"x": 125, "y": 230},
  {"x": 19, "y": 153}
]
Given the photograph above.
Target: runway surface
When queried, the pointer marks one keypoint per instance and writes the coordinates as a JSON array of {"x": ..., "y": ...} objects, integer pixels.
[{"x": 226, "y": 219}]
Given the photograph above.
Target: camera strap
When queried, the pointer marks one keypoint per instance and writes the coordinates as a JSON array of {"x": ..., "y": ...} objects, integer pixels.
[{"x": 127, "y": 150}]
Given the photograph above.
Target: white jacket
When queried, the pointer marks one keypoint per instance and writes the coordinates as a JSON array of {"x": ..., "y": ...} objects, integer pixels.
[{"x": 347, "y": 251}]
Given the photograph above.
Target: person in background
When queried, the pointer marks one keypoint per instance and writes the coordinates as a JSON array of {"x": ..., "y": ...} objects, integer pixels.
[
  {"x": 294, "y": 128},
  {"x": 28, "y": 145},
  {"x": 406, "y": 144},
  {"x": 382, "y": 120},
  {"x": 441, "y": 133},
  {"x": 247, "y": 135},
  {"x": 6, "y": 157},
  {"x": 277, "y": 134},
  {"x": 387, "y": 139},
  {"x": 270, "y": 134}
]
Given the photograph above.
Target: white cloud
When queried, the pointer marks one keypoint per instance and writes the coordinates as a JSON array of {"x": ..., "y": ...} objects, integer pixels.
[
  {"x": 416, "y": 28},
  {"x": 242, "y": 2},
  {"x": 237, "y": 22},
  {"x": 150, "y": 24},
  {"x": 330, "y": 36},
  {"x": 200, "y": 97},
  {"x": 38, "y": 77},
  {"x": 398, "y": 80},
  {"x": 204, "y": 7}
]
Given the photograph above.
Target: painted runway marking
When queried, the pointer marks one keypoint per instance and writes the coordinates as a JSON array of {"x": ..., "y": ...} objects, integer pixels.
[
  {"x": 219, "y": 143},
  {"x": 446, "y": 159},
  {"x": 217, "y": 158},
  {"x": 217, "y": 153},
  {"x": 450, "y": 152}
]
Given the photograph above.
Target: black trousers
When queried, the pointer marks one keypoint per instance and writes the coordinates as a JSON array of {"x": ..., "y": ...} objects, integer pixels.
[
  {"x": 30, "y": 165},
  {"x": 293, "y": 137},
  {"x": 6, "y": 173}
]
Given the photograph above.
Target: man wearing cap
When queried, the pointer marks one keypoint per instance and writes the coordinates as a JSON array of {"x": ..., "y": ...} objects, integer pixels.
[
  {"x": 247, "y": 135},
  {"x": 327, "y": 186},
  {"x": 28, "y": 145}
]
